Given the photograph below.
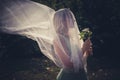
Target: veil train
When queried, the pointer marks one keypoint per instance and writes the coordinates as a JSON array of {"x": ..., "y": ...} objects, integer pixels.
[{"x": 35, "y": 21}]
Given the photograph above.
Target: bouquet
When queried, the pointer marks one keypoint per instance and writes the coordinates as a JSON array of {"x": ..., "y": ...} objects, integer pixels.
[{"x": 85, "y": 34}]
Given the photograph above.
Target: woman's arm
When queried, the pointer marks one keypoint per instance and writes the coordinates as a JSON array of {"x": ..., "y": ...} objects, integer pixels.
[{"x": 62, "y": 55}]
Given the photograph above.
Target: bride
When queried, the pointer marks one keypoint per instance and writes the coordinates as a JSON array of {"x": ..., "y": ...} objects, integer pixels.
[{"x": 56, "y": 33}]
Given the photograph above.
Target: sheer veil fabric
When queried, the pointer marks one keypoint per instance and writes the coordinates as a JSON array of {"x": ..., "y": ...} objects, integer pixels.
[{"x": 44, "y": 25}]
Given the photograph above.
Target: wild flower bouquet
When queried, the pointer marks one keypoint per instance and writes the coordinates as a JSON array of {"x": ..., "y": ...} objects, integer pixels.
[{"x": 85, "y": 34}]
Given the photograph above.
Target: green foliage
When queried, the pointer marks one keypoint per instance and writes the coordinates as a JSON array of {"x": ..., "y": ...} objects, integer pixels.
[{"x": 85, "y": 34}]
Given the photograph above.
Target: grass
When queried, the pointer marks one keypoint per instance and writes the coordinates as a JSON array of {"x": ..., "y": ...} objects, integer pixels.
[{"x": 44, "y": 69}]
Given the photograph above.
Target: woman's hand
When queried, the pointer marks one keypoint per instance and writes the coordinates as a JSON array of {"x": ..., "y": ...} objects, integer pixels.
[{"x": 87, "y": 47}]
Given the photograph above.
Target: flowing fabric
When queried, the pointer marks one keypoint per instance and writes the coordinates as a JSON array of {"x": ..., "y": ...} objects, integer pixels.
[{"x": 47, "y": 27}]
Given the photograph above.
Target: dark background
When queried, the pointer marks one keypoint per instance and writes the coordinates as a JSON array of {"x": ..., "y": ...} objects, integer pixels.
[{"x": 101, "y": 16}]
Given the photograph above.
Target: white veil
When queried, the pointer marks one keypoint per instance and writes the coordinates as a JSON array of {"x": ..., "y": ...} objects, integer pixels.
[
  {"x": 67, "y": 30},
  {"x": 26, "y": 18},
  {"x": 35, "y": 21}
]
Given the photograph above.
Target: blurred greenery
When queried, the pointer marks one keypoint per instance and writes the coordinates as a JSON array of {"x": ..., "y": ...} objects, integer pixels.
[{"x": 103, "y": 19}]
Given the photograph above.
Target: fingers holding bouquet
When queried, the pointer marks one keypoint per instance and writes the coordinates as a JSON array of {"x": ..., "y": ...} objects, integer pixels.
[{"x": 87, "y": 46}]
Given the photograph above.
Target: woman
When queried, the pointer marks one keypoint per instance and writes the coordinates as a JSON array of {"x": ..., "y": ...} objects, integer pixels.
[
  {"x": 56, "y": 33},
  {"x": 67, "y": 44}
]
